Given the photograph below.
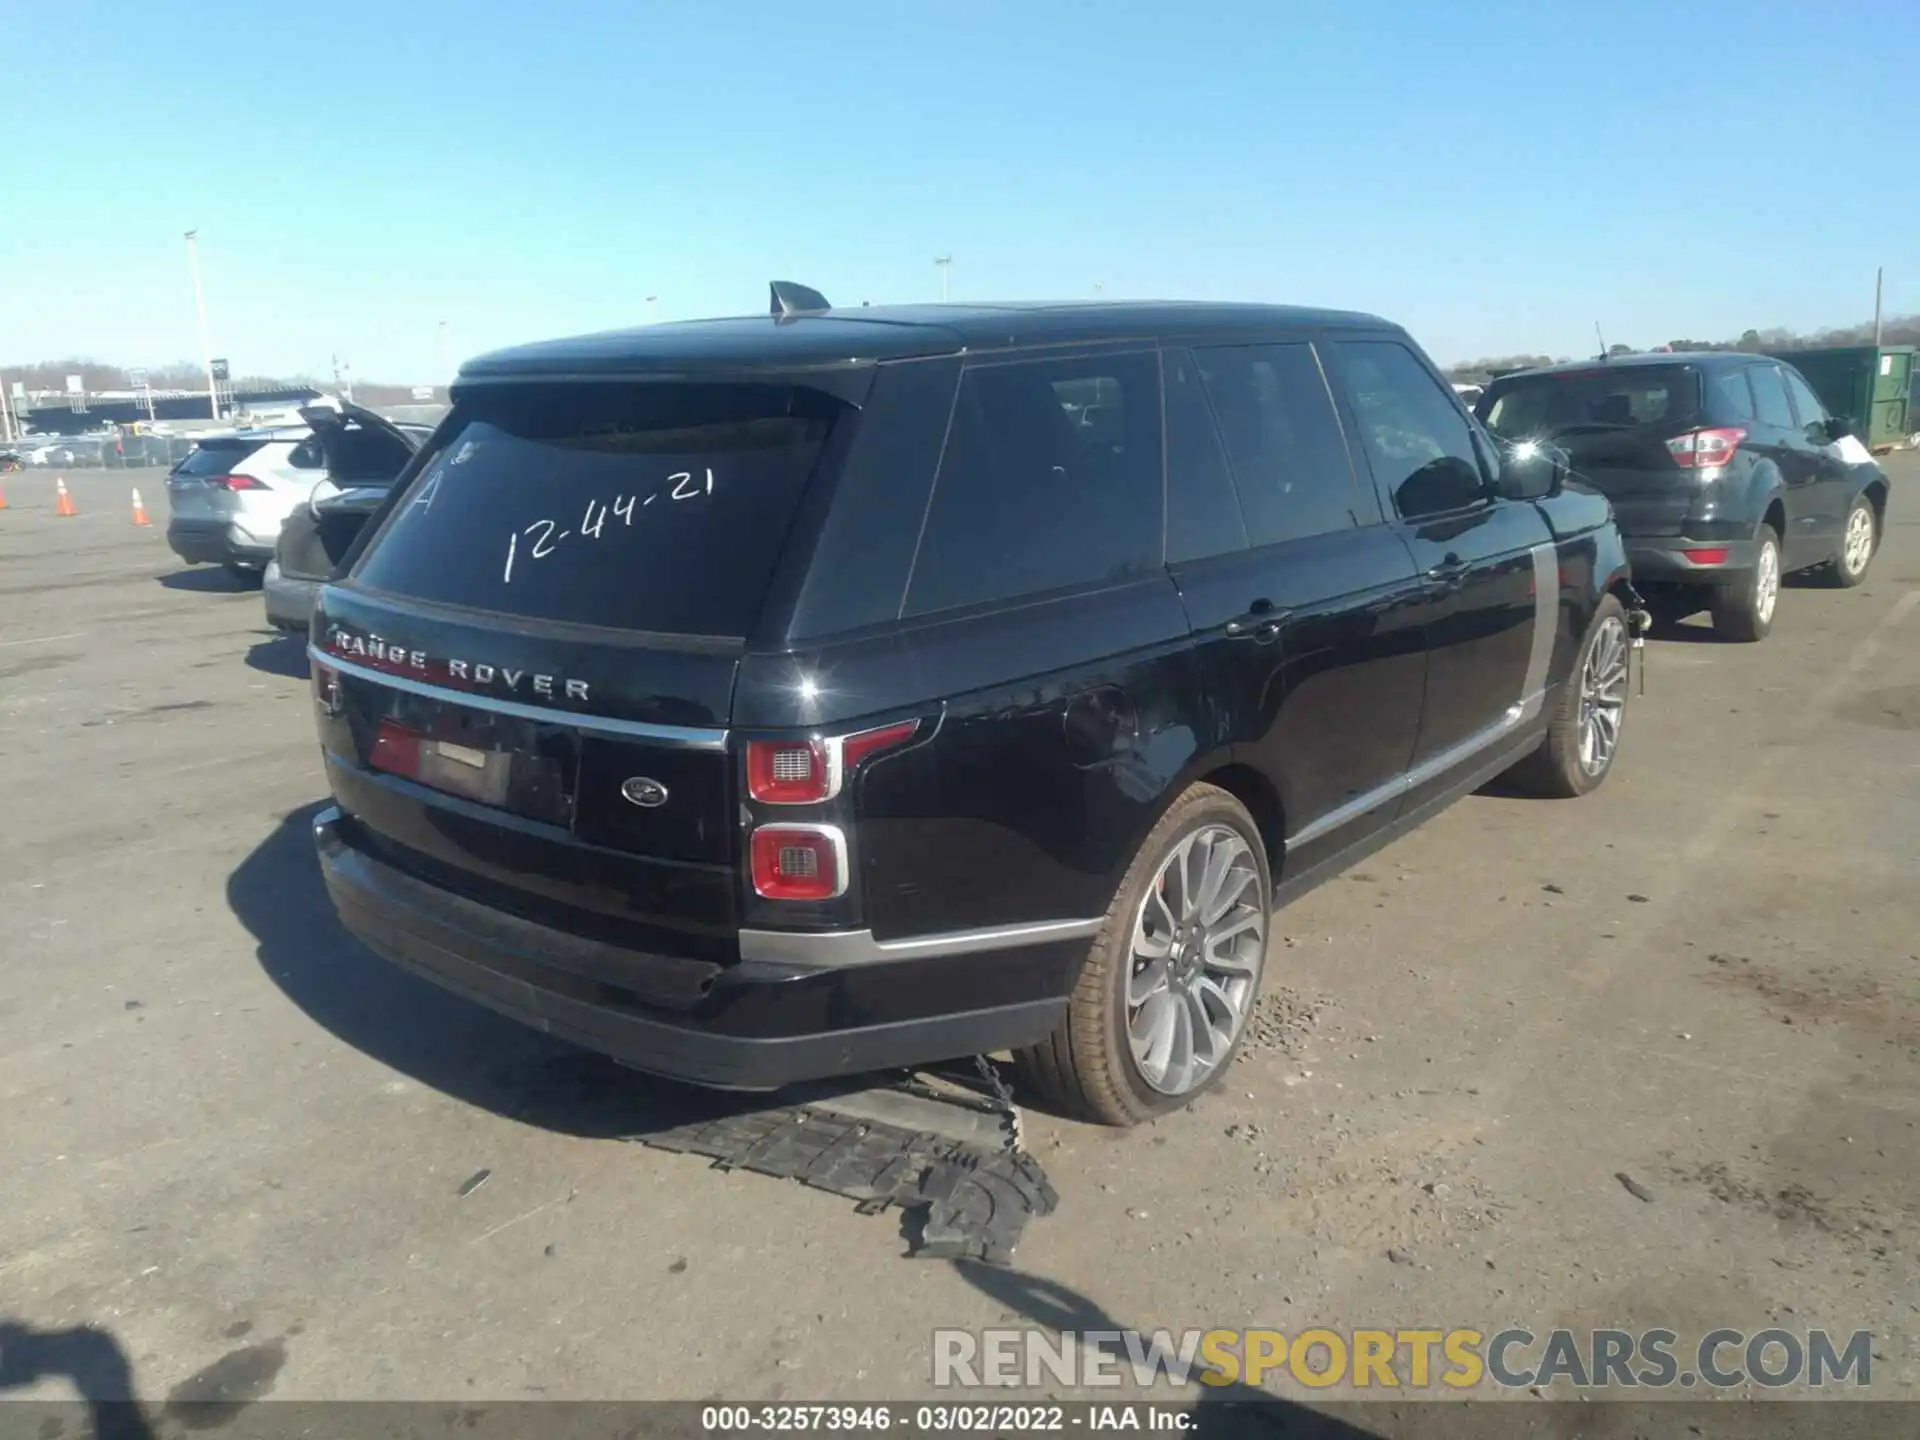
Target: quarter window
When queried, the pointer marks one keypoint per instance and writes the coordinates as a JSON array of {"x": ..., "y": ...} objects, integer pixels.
[
  {"x": 1732, "y": 401},
  {"x": 1051, "y": 479},
  {"x": 1806, "y": 404},
  {"x": 1770, "y": 397},
  {"x": 1413, "y": 433},
  {"x": 1289, "y": 458}
]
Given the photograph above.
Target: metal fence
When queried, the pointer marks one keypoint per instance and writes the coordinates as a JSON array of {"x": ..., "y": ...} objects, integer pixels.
[{"x": 94, "y": 452}]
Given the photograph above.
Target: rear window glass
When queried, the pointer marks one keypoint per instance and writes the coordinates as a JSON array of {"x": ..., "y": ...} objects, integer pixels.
[
  {"x": 643, "y": 507},
  {"x": 1577, "y": 402},
  {"x": 216, "y": 457}
]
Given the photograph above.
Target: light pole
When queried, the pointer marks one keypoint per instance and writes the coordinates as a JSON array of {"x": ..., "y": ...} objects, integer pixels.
[
  {"x": 200, "y": 306},
  {"x": 945, "y": 262}
]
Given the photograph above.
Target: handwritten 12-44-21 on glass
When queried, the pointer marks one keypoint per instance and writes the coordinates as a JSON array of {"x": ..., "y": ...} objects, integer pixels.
[{"x": 544, "y": 536}]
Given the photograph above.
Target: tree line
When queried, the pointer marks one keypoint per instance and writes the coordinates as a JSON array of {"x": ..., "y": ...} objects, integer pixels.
[{"x": 1900, "y": 330}]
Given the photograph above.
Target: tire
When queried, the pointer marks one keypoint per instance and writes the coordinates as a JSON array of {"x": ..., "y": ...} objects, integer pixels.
[
  {"x": 249, "y": 577},
  {"x": 1744, "y": 611},
  {"x": 1088, "y": 1067},
  {"x": 1563, "y": 767},
  {"x": 1849, "y": 567}
]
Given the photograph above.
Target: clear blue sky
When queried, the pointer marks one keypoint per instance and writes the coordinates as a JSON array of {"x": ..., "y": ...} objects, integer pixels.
[{"x": 1494, "y": 176}]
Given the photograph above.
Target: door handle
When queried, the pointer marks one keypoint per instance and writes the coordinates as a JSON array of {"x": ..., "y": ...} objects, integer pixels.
[
  {"x": 1261, "y": 624},
  {"x": 1449, "y": 572}
]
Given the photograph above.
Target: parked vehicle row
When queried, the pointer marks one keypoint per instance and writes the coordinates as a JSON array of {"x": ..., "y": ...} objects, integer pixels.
[
  {"x": 763, "y": 700},
  {"x": 760, "y": 700},
  {"x": 234, "y": 493}
]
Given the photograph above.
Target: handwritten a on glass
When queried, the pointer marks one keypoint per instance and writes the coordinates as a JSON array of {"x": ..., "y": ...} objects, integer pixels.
[{"x": 543, "y": 536}]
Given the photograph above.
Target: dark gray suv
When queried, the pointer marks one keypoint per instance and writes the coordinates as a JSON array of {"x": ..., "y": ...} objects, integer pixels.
[{"x": 1725, "y": 472}]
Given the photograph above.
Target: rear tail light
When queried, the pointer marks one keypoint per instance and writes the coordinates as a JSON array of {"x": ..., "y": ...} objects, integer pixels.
[
  {"x": 790, "y": 772},
  {"x": 235, "y": 482},
  {"x": 805, "y": 772},
  {"x": 1706, "y": 449},
  {"x": 799, "y": 862}
]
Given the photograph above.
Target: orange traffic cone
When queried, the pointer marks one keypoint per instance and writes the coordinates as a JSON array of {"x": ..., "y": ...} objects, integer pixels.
[
  {"x": 65, "y": 505},
  {"x": 3, "y": 497},
  {"x": 139, "y": 511}
]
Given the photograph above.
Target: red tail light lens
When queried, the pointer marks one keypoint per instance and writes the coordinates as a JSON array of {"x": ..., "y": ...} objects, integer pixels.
[
  {"x": 235, "y": 482},
  {"x": 1706, "y": 449},
  {"x": 1707, "y": 557},
  {"x": 789, "y": 772},
  {"x": 804, "y": 772},
  {"x": 799, "y": 862}
]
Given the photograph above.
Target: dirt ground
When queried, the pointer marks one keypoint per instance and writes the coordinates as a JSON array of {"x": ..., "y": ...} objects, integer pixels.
[{"x": 241, "y": 1153}]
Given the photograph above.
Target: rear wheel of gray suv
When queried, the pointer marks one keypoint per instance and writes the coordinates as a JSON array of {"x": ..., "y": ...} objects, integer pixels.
[
  {"x": 1167, "y": 990},
  {"x": 1744, "y": 609}
]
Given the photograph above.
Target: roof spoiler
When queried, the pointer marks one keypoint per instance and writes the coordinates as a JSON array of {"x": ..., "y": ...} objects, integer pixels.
[{"x": 790, "y": 299}]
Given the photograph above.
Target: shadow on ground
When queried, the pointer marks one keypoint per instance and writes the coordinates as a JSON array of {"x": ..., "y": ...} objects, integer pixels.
[
  {"x": 280, "y": 654},
  {"x": 209, "y": 579},
  {"x": 86, "y": 1358},
  {"x": 437, "y": 1038},
  {"x": 1229, "y": 1409}
]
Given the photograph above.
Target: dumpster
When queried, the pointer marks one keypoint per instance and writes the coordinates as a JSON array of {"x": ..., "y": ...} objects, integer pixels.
[{"x": 1871, "y": 386}]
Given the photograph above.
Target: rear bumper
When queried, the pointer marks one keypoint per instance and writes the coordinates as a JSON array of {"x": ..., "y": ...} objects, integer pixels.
[
  {"x": 837, "y": 1019},
  {"x": 289, "y": 600},
  {"x": 1665, "y": 558},
  {"x": 217, "y": 542}
]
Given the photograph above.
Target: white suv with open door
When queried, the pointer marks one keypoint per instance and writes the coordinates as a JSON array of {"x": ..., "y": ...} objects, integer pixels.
[{"x": 232, "y": 494}]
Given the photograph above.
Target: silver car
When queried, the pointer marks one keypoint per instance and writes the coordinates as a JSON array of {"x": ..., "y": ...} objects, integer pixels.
[{"x": 232, "y": 494}]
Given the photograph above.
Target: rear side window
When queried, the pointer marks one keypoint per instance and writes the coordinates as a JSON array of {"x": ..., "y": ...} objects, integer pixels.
[
  {"x": 643, "y": 507},
  {"x": 217, "y": 457},
  {"x": 1289, "y": 458},
  {"x": 1051, "y": 479},
  {"x": 1770, "y": 396},
  {"x": 1203, "y": 512},
  {"x": 1730, "y": 402},
  {"x": 1806, "y": 404}
]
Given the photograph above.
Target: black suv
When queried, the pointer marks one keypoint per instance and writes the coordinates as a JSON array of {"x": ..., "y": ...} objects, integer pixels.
[
  {"x": 1725, "y": 471},
  {"x": 770, "y": 698}
]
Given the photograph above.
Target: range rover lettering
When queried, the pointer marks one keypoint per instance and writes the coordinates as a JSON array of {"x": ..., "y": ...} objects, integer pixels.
[{"x": 763, "y": 699}]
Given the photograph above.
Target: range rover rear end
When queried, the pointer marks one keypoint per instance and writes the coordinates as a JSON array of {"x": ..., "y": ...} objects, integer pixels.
[{"x": 580, "y": 773}]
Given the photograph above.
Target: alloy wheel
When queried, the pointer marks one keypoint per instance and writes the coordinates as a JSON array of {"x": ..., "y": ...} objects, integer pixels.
[
  {"x": 1858, "y": 548},
  {"x": 1766, "y": 582},
  {"x": 1199, "y": 941},
  {"x": 1603, "y": 696}
]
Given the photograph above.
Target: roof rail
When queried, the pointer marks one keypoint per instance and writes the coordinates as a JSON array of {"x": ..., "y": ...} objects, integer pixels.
[{"x": 790, "y": 299}]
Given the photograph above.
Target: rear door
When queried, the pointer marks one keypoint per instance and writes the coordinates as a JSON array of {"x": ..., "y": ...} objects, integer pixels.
[
  {"x": 1304, "y": 625},
  {"x": 1487, "y": 563},
  {"x": 1777, "y": 436},
  {"x": 1832, "y": 489},
  {"x": 555, "y": 606}
]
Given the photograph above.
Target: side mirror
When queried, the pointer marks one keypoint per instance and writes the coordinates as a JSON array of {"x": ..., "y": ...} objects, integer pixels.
[
  {"x": 1532, "y": 470},
  {"x": 1837, "y": 428}
]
